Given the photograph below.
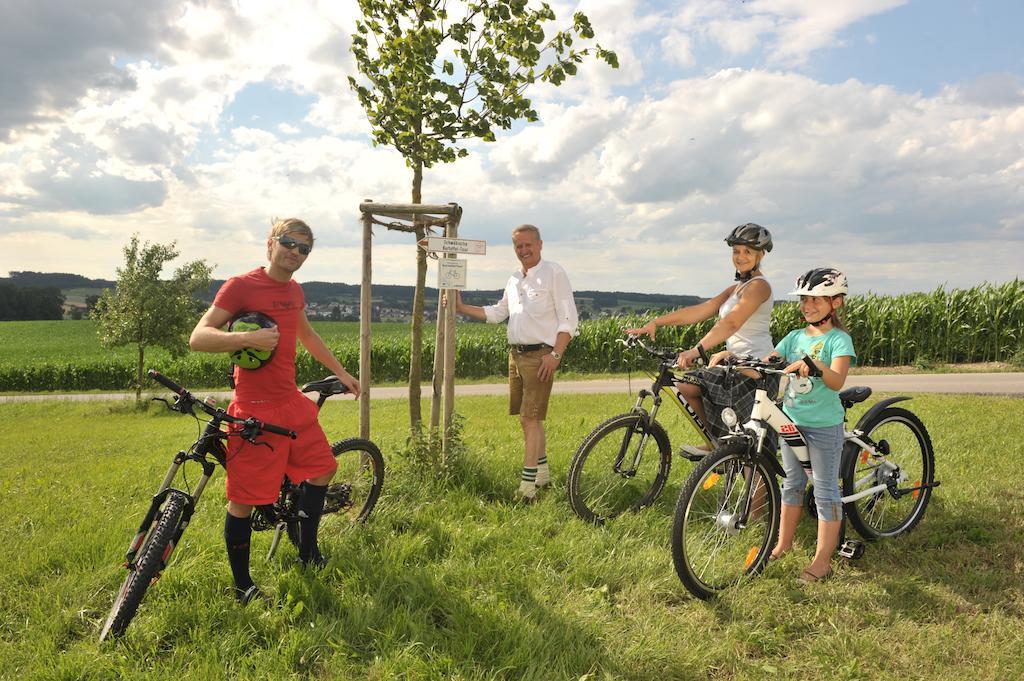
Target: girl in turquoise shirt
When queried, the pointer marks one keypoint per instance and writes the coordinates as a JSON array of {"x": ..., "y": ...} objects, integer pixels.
[{"x": 813, "y": 405}]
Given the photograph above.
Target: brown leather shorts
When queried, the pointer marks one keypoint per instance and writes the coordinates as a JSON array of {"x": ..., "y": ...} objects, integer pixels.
[{"x": 527, "y": 394}]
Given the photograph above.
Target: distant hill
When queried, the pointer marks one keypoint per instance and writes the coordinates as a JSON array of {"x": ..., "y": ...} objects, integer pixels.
[
  {"x": 395, "y": 297},
  {"x": 61, "y": 280}
]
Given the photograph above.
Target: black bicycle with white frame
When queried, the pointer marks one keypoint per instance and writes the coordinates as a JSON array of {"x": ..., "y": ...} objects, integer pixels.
[{"x": 726, "y": 519}]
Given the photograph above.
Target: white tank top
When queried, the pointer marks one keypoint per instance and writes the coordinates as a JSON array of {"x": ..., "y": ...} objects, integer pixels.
[{"x": 754, "y": 337}]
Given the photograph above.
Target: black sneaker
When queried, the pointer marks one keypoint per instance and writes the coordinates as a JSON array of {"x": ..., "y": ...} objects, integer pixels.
[
  {"x": 317, "y": 562},
  {"x": 249, "y": 595}
]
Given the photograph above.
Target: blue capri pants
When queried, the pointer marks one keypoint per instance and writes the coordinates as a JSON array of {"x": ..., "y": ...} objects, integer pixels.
[{"x": 826, "y": 447}]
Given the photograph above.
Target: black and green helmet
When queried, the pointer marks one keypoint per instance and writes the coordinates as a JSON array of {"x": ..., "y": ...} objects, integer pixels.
[{"x": 250, "y": 358}]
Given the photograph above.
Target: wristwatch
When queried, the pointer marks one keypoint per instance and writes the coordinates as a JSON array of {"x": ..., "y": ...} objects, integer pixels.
[{"x": 556, "y": 354}]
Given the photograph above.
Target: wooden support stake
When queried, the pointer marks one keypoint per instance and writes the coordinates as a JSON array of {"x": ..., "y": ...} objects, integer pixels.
[
  {"x": 365, "y": 316},
  {"x": 449, "y": 343},
  {"x": 439, "y": 336}
]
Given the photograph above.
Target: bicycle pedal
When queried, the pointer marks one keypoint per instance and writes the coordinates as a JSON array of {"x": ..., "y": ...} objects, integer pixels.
[{"x": 851, "y": 549}]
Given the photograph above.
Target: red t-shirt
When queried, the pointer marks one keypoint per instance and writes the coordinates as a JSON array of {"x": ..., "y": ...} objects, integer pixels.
[{"x": 283, "y": 302}]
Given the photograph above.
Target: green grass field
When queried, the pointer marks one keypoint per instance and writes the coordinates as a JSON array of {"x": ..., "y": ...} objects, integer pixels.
[
  {"x": 454, "y": 581},
  {"x": 70, "y": 340}
]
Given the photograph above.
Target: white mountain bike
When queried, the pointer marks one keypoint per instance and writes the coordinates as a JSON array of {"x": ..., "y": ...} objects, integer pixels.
[{"x": 727, "y": 516}]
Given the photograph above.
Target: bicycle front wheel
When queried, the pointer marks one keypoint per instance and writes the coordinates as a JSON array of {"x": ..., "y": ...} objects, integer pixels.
[
  {"x": 355, "y": 488},
  {"x": 149, "y": 563},
  {"x": 621, "y": 465},
  {"x": 905, "y": 464},
  {"x": 726, "y": 521}
]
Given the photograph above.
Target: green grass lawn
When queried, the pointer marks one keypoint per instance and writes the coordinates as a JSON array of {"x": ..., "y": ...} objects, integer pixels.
[{"x": 454, "y": 581}]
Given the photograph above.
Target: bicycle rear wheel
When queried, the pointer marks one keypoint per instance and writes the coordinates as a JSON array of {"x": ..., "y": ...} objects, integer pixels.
[
  {"x": 603, "y": 481},
  {"x": 355, "y": 489},
  {"x": 907, "y": 462},
  {"x": 149, "y": 563},
  {"x": 715, "y": 543}
]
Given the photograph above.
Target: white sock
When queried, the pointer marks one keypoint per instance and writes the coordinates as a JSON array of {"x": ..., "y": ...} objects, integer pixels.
[
  {"x": 543, "y": 473},
  {"x": 528, "y": 485}
]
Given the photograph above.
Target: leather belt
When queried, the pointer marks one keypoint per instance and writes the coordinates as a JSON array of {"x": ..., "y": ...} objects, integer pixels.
[{"x": 528, "y": 348}]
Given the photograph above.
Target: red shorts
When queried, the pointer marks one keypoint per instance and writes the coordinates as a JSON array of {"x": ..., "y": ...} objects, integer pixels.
[{"x": 255, "y": 471}]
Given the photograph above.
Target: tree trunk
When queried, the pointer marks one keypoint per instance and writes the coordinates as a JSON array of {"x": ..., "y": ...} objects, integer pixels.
[{"x": 416, "y": 349}]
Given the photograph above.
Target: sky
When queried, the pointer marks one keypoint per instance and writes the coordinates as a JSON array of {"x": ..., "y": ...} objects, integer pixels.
[{"x": 883, "y": 137}]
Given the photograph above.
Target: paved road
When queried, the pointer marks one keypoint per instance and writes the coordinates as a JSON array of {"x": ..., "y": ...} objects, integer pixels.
[{"x": 978, "y": 384}]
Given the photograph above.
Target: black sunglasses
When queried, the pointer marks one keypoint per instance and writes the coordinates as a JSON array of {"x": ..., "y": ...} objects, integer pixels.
[{"x": 291, "y": 244}]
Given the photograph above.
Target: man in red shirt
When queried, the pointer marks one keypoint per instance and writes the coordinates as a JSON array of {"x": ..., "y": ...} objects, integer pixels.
[{"x": 269, "y": 393}]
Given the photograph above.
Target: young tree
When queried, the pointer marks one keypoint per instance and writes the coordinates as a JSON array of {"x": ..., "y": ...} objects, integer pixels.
[
  {"x": 431, "y": 80},
  {"x": 146, "y": 310}
]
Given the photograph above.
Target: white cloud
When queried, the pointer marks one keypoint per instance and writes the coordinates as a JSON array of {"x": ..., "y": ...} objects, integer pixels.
[
  {"x": 634, "y": 176},
  {"x": 788, "y": 31}
]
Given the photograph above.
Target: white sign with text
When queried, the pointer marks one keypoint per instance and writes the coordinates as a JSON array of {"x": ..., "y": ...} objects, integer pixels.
[
  {"x": 451, "y": 273},
  {"x": 439, "y": 244}
]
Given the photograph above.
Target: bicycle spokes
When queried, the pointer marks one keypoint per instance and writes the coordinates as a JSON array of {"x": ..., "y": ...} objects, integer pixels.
[{"x": 725, "y": 523}]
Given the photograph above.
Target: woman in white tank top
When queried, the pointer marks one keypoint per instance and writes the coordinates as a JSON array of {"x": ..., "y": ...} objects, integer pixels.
[{"x": 744, "y": 310}]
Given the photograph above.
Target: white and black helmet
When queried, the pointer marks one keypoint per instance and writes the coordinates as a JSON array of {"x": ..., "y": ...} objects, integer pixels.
[
  {"x": 821, "y": 281},
  {"x": 752, "y": 235}
]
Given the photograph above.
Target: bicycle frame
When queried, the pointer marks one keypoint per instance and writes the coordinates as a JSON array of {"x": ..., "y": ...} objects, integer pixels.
[
  {"x": 766, "y": 414},
  {"x": 662, "y": 386}
]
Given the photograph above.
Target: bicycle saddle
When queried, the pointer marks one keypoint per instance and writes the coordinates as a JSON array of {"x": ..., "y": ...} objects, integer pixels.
[
  {"x": 852, "y": 396},
  {"x": 328, "y": 386}
]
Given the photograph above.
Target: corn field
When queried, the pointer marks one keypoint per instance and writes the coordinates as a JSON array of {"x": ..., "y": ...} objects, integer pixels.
[{"x": 980, "y": 324}]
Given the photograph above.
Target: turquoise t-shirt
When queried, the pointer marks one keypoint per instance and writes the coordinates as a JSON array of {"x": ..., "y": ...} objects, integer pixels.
[{"x": 820, "y": 406}]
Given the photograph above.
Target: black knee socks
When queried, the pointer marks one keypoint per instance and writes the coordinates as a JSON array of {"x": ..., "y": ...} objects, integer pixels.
[
  {"x": 237, "y": 533},
  {"x": 311, "y": 507}
]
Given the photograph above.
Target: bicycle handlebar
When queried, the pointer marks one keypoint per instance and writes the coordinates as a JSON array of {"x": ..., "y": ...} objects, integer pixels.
[
  {"x": 189, "y": 400},
  {"x": 750, "y": 362},
  {"x": 664, "y": 354},
  {"x": 167, "y": 383}
]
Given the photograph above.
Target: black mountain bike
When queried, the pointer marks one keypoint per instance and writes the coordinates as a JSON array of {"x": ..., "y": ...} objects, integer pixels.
[
  {"x": 351, "y": 495},
  {"x": 623, "y": 464}
]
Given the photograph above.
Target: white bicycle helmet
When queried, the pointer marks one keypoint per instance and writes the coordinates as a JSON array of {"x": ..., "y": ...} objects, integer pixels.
[{"x": 821, "y": 281}]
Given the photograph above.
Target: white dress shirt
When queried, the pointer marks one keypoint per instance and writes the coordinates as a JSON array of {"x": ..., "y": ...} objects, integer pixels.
[{"x": 538, "y": 305}]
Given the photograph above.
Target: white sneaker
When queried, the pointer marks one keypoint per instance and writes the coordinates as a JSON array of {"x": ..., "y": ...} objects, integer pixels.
[{"x": 527, "y": 491}]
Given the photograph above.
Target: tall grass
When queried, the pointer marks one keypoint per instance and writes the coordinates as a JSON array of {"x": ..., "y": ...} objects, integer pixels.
[{"x": 980, "y": 324}]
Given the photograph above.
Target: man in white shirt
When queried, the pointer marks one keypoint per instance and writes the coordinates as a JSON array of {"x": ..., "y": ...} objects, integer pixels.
[{"x": 542, "y": 319}]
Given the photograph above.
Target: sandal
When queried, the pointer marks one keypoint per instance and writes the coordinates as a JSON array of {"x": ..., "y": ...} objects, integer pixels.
[{"x": 810, "y": 578}]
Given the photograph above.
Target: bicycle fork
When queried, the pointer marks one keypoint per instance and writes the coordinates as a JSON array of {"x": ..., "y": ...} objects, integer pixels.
[
  {"x": 165, "y": 490},
  {"x": 645, "y": 434}
]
